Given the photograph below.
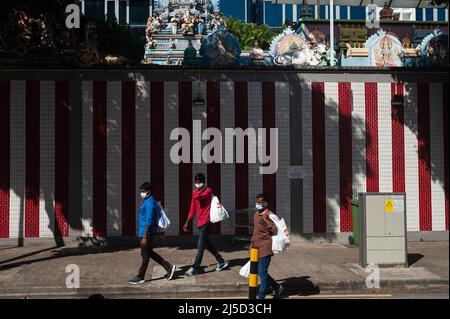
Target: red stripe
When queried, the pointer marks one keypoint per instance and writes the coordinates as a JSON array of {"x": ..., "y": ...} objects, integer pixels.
[
  {"x": 423, "y": 126},
  {"x": 32, "y": 159},
  {"x": 157, "y": 139},
  {"x": 345, "y": 155},
  {"x": 446, "y": 141},
  {"x": 241, "y": 169},
  {"x": 398, "y": 138},
  {"x": 128, "y": 158},
  {"x": 99, "y": 158},
  {"x": 319, "y": 178},
  {"x": 62, "y": 102},
  {"x": 185, "y": 169},
  {"x": 268, "y": 122},
  {"x": 5, "y": 97},
  {"x": 213, "y": 121},
  {"x": 372, "y": 168}
]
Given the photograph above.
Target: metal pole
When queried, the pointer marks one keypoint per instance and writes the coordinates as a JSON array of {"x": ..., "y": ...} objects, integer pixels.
[
  {"x": 332, "y": 31},
  {"x": 253, "y": 277}
]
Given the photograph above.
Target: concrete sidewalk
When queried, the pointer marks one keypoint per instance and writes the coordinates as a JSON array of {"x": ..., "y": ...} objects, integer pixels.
[{"x": 305, "y": 269}]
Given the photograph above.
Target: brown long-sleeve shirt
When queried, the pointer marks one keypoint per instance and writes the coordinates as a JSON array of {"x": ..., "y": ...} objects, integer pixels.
[{"x": 264, "y": 229}]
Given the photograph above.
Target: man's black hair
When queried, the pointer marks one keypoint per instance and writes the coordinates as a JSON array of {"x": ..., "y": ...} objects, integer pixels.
[
  {"x": 200, "y": 177},
  {"x": 146, "y": 187},
  {"x": 263, "y": 196}
]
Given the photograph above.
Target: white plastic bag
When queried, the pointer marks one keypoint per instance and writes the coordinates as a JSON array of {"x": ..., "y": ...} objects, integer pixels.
[
  {"x": 245, "y": 270},
  {"x": 163, "y": 221},
  {"x": 281, "y": 240},
  {"x": 217, "y": 213}
]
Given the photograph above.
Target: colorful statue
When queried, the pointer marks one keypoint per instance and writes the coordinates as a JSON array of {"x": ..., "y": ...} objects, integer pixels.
[
  {"x": 257, "y": 54},
  {"x": 384, "y": 49},
  {"x": 297, "y": 48},
  {"x": 190, "y": 55},
  {"x": 220, "y": 48}
]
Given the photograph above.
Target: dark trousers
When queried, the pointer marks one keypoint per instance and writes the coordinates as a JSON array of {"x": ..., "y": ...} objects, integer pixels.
[
  {"x": 266, "y": 279},
  {"x": 147, "y": 252},
  {"x": 205, "y": 242}
]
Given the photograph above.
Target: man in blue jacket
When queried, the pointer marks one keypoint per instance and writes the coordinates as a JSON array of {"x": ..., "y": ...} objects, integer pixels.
[{"x": 149, "y": 214}]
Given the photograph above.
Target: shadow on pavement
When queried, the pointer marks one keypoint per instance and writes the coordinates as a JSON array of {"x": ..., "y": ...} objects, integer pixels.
[
  {"x": 413, "y": 258},
  {"x": 223, "y": 245},
  {"x": 57, "y": 252},
  {"x": 299, "y": 286}
]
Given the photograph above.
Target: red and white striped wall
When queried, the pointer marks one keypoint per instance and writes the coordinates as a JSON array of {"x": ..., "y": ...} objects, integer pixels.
[{"x": 354, "y": 139}]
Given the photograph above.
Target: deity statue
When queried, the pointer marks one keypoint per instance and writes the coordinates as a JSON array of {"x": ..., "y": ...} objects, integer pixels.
[
  {"x": 385, "y": 54},
  {"x": 201, "y": 26},
  {"x": 153, "y": 25},
  {"x": 190, "y": 55},
  {"x": 257, "y": 54},
  {"x": 386, "y": 13},
  {"x": 217, "y": 22},
  {"x": 187, "y": 23},
  {"x": 172, "y": 44},
  {"x": 174, "y": 25}
]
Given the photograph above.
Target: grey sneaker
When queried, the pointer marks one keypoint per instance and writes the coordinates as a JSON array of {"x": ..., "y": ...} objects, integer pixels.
[
  {"x": 222, "y": 265},
  {"x": 191, "y": 272},
  {"x": 136, "y": 281},
  {"x": 170, "y": 273}
]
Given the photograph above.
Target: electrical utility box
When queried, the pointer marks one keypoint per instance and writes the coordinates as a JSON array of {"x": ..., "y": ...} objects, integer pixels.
[{"x": 383, "y": 239}]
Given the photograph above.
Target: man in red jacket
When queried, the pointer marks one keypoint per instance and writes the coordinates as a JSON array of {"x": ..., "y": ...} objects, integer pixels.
[{"x": 201, "y": 205}]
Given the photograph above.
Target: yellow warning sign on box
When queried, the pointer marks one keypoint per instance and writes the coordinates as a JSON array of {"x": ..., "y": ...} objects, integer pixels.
[{"x": 389, "y": 205}]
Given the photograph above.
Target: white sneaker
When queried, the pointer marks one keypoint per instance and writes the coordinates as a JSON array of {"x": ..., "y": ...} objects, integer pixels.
[{"x": 170, "y": 274}]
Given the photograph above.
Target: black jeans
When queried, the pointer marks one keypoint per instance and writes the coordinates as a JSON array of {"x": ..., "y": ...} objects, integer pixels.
[
  {"x": 205, "y": 242},
  {"x": 147, "y": 252}
]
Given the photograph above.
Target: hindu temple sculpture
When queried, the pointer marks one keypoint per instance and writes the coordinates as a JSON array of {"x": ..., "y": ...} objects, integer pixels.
[
  {"x": 300, "y": 48},
  {"x": 385, "y": 50},
  {"x": 220, "y": 48},
  {"x": 256, "y": 55},
  {"x": 434, "y": 49},
  {"x": 352, "y": 41},
  {"x": 190, "y": 55},
  {"x": 387, "y": 13},
  {"x": 176, "y": 22}
]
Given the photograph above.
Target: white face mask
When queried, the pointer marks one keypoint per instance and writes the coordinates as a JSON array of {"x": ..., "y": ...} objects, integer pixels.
[
  {"x": 198, "y": 186},
  {"x": 143, "y": 194},
  {"x": 259, "y": 207}
]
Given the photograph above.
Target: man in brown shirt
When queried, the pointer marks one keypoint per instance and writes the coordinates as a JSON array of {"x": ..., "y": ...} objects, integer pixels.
[{"x": 263, "y": 230}]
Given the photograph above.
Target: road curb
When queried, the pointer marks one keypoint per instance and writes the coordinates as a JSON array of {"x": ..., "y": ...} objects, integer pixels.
[{"x": 187, "y": 291}]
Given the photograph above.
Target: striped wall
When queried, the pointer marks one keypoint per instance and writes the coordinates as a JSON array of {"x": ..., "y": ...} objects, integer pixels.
[{"x": 352, "y": 139}]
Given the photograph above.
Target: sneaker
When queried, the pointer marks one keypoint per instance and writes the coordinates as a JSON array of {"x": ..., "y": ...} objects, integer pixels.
[
  {"x": 170, "y": 273},
  {"x": 222, "y": 265},
  {"x": 136, "y": 281},
  {"x": 278, "y": 293},
  {"x": 191, "y": 272}
]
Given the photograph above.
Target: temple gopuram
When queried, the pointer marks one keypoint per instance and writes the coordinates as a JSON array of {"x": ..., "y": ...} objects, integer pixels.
[{"x": 177, "y": 25}]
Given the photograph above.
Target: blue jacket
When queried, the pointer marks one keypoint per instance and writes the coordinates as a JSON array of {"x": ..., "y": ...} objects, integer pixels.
[{"x": 148, "y": 216}]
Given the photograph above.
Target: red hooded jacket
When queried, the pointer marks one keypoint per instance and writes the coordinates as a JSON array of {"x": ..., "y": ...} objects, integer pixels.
[{"x": 201, "y": 205}]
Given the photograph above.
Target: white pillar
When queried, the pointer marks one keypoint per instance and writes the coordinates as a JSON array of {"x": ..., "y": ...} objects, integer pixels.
[
  {"x": 128, "y": 12},
  {"x": 246, "y": 11},
  {"x": 332, "y": 30}
]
